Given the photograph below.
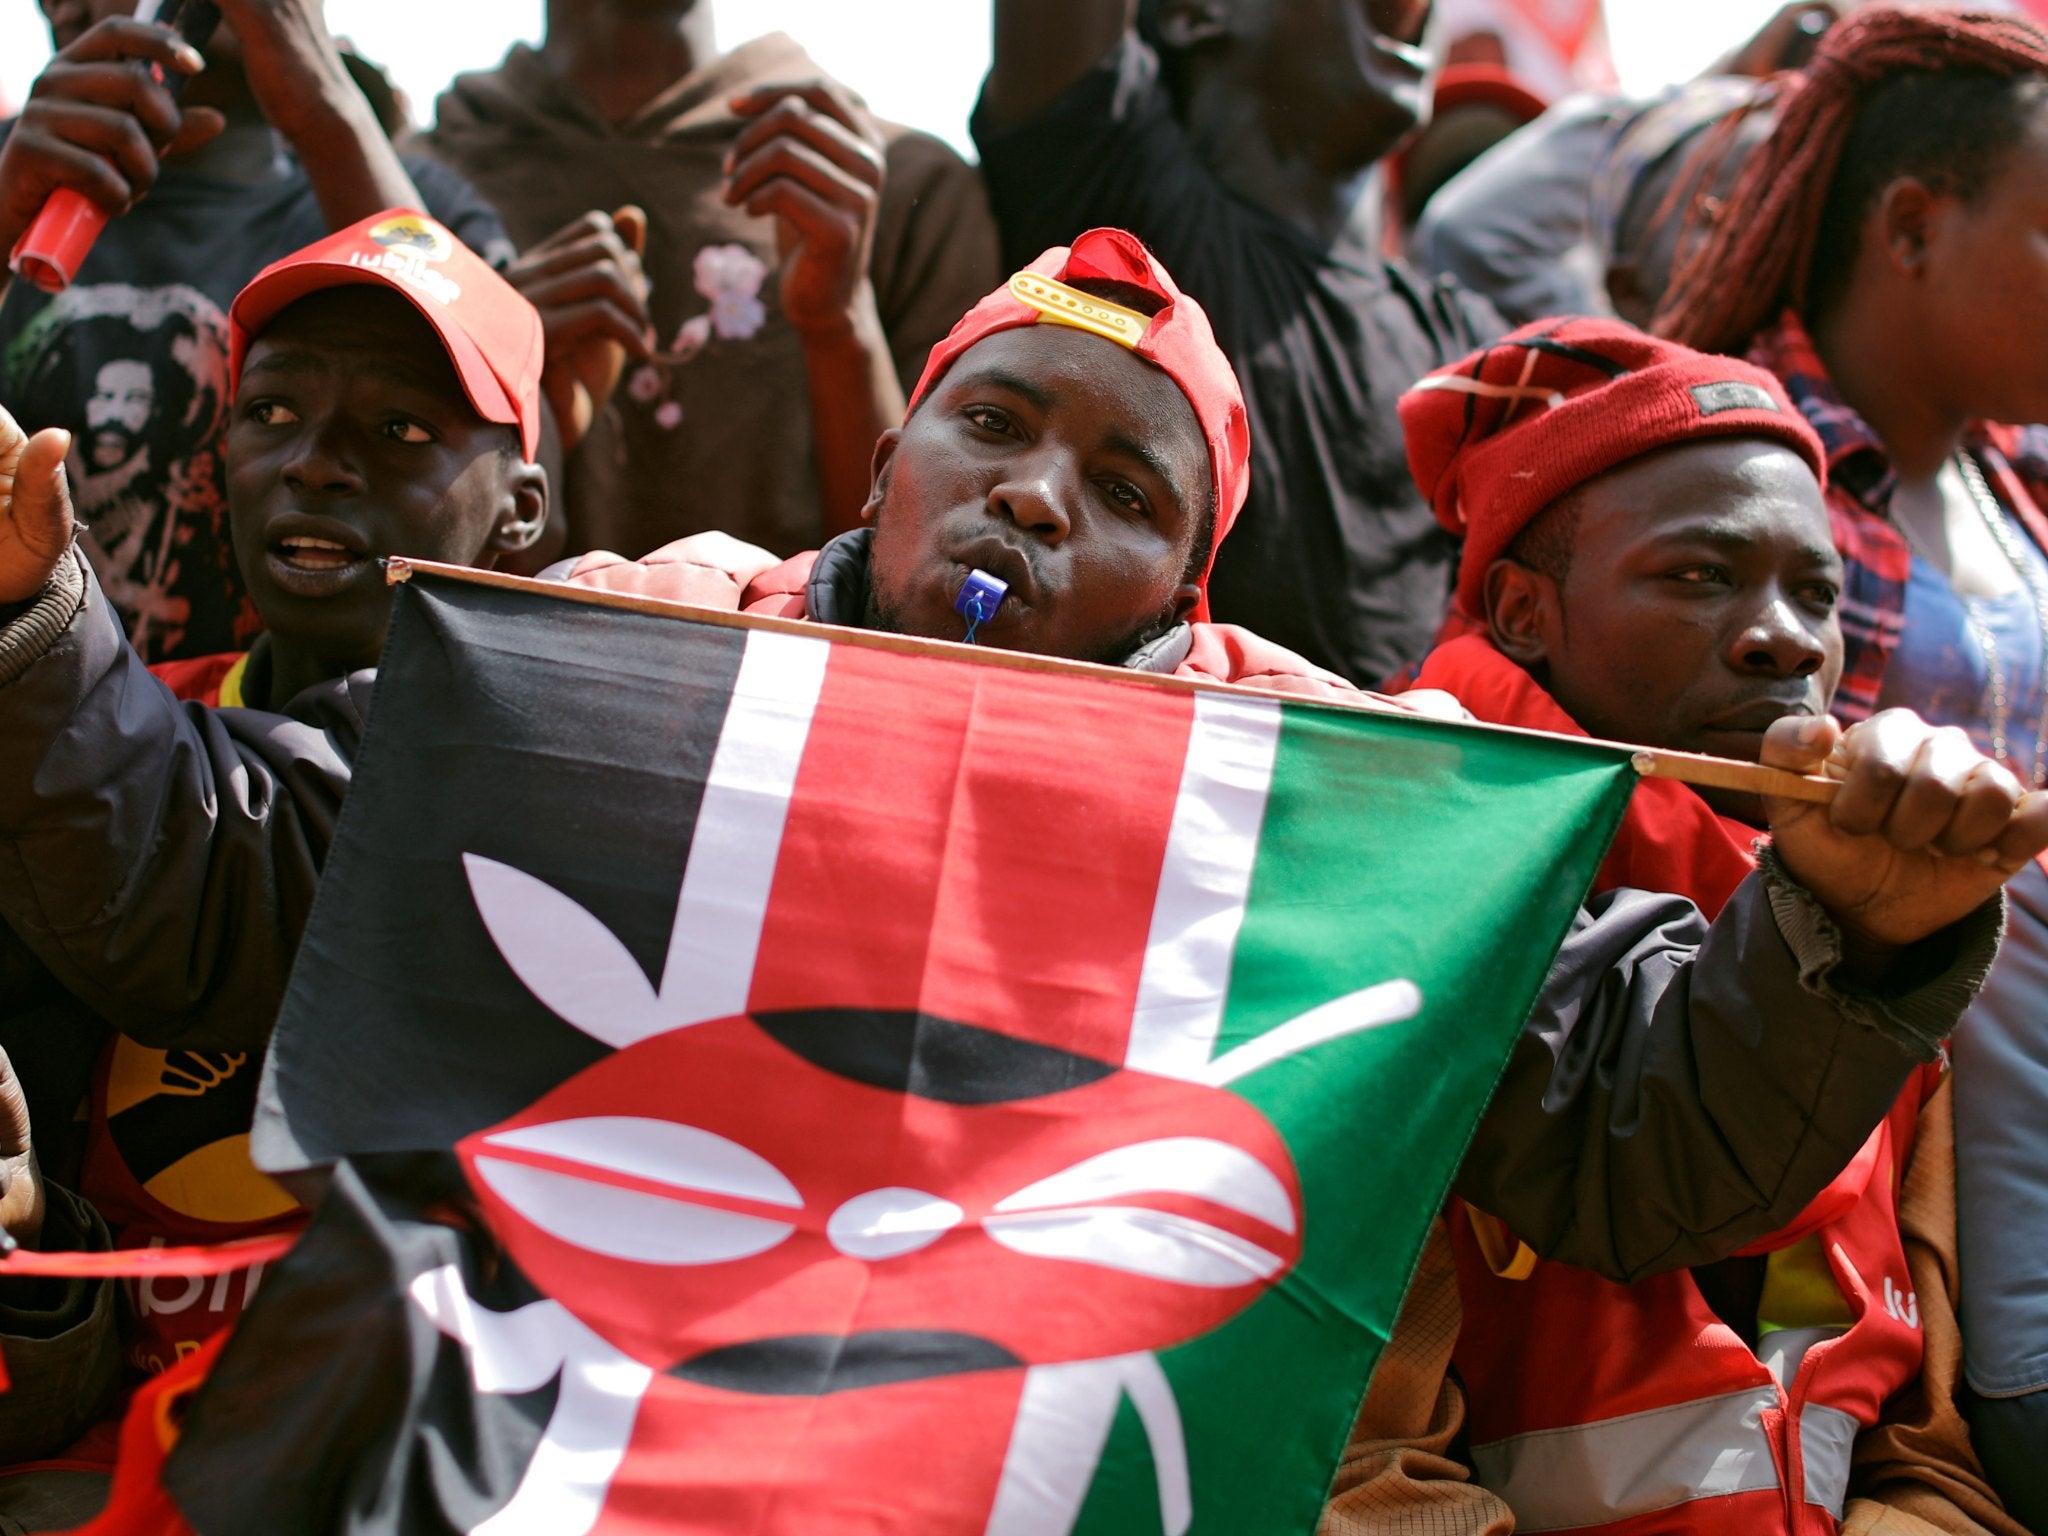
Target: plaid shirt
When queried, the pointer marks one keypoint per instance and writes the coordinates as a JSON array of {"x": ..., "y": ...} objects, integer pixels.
[{"x": 1861, "y": 478}]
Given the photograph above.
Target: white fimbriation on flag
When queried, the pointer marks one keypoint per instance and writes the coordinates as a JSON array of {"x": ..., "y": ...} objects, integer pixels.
[
  {"x": 571, "y": 962},
  {"x": 1203, "y": 883},
  {"x": 738, "y": 836},
  {"x": 564, "y": 1489},
  {"x": 1063, "y": 1423}
]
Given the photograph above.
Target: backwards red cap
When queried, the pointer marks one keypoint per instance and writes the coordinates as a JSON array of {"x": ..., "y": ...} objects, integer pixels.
[
  {"x": 1496, "y": 438},
  {"x": 493, "y": 335},
  {"x": 1177, "y": 339}
]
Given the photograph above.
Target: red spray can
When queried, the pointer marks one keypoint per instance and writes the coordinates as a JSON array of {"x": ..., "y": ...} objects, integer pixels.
[{"x": 55, "y": 246}]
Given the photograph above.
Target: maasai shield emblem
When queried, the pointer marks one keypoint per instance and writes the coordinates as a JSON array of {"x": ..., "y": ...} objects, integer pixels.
[{"x": 1019, "y": 1083}]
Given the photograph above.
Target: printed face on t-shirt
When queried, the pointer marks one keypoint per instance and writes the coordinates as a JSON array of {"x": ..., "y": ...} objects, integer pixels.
[
  {"x": 1058, "y": 462},
  {"x": 117, "y": 413}
]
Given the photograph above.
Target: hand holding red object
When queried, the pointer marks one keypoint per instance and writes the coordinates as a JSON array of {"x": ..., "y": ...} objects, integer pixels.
[{"x": 96, "y": 125}]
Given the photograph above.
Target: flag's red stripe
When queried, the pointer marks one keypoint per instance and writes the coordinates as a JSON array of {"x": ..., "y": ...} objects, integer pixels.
[{"x": 980, "y": 844}]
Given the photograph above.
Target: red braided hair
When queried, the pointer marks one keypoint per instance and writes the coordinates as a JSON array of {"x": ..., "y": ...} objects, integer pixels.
[{"x": 1758, "y": 257}]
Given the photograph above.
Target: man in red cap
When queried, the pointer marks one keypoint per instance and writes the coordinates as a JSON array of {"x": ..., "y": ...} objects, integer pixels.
[
  {"x": 1241, "y": 139},
  {"x": 1094, "y": 481},
  {"x": 399, "y": 312},
  {"x": 270, "y": 146},
  {"x": 387, "y": 402},
  {"x": 1647, "y": 557}
]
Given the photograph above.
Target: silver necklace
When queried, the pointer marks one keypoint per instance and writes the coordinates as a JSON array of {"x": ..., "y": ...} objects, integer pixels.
[{"x": 1998, "y": 703}]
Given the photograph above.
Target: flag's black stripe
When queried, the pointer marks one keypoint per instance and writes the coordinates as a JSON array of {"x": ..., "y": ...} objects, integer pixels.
[{"x": 548, "y": 736}]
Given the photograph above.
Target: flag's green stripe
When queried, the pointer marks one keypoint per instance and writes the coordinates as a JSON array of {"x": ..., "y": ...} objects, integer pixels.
[{"x": 1391, "y": 849}]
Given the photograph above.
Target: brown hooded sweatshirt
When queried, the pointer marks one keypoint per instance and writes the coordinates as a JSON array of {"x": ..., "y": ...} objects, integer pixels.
[{"x": 723, "y": 440}]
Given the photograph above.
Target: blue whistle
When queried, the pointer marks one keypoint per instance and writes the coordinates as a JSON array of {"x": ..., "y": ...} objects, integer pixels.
[{"x": 980, "y": 596}]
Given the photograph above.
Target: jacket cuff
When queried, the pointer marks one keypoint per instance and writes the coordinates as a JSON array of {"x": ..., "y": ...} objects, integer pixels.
[
  {"x": 27, "y": 636},
  {"x": 1921, "y": 1003},
  {"x": 47, "y": 1307}
]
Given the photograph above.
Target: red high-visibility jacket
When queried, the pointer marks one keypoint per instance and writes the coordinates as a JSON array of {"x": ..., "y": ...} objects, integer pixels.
[{"x": 1634, "y": 1410}]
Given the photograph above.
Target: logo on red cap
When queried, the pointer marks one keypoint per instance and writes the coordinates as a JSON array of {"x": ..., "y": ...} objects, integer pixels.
[
  {"x": 408, "y": 231},
  {"x": 412, "y": 245}
]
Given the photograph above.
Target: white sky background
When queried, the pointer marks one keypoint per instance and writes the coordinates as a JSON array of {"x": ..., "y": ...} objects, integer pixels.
[{"x": 917, "y": 61}]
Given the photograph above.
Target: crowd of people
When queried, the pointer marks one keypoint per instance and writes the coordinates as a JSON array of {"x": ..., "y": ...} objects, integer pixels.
[{"x": 1715, "y": 422}]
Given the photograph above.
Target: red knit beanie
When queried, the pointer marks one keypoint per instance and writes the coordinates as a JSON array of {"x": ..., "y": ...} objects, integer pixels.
[{"x": 1496, "y": 438}]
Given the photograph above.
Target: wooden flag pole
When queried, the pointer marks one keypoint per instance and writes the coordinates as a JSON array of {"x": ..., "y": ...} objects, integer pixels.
[
  {"x": 1651, "y": 762},
  {"x": 1704, "y": 772}
]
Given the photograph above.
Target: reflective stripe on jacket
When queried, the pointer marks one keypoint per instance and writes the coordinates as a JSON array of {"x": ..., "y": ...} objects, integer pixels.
[{"x": 1634, "y": 1409}]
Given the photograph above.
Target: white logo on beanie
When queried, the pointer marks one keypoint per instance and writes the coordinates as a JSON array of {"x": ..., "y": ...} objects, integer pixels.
[{"x": 1733, "y": 395}]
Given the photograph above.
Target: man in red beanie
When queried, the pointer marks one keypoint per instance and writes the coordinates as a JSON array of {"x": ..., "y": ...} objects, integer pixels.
[
  {"x": 1647, "y": 557},
  {"x": 1241, "y": 140}
]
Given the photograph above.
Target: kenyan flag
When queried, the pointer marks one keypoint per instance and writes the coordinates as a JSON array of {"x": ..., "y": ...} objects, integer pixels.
[{"x": 798, "y": 1081}]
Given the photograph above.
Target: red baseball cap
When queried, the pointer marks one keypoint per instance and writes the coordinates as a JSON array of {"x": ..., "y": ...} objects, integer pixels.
[
  {"x": 1177, "y": 339},
  {"x": 493, "y": 335},
  {"x": 1499, "y": 436}
]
